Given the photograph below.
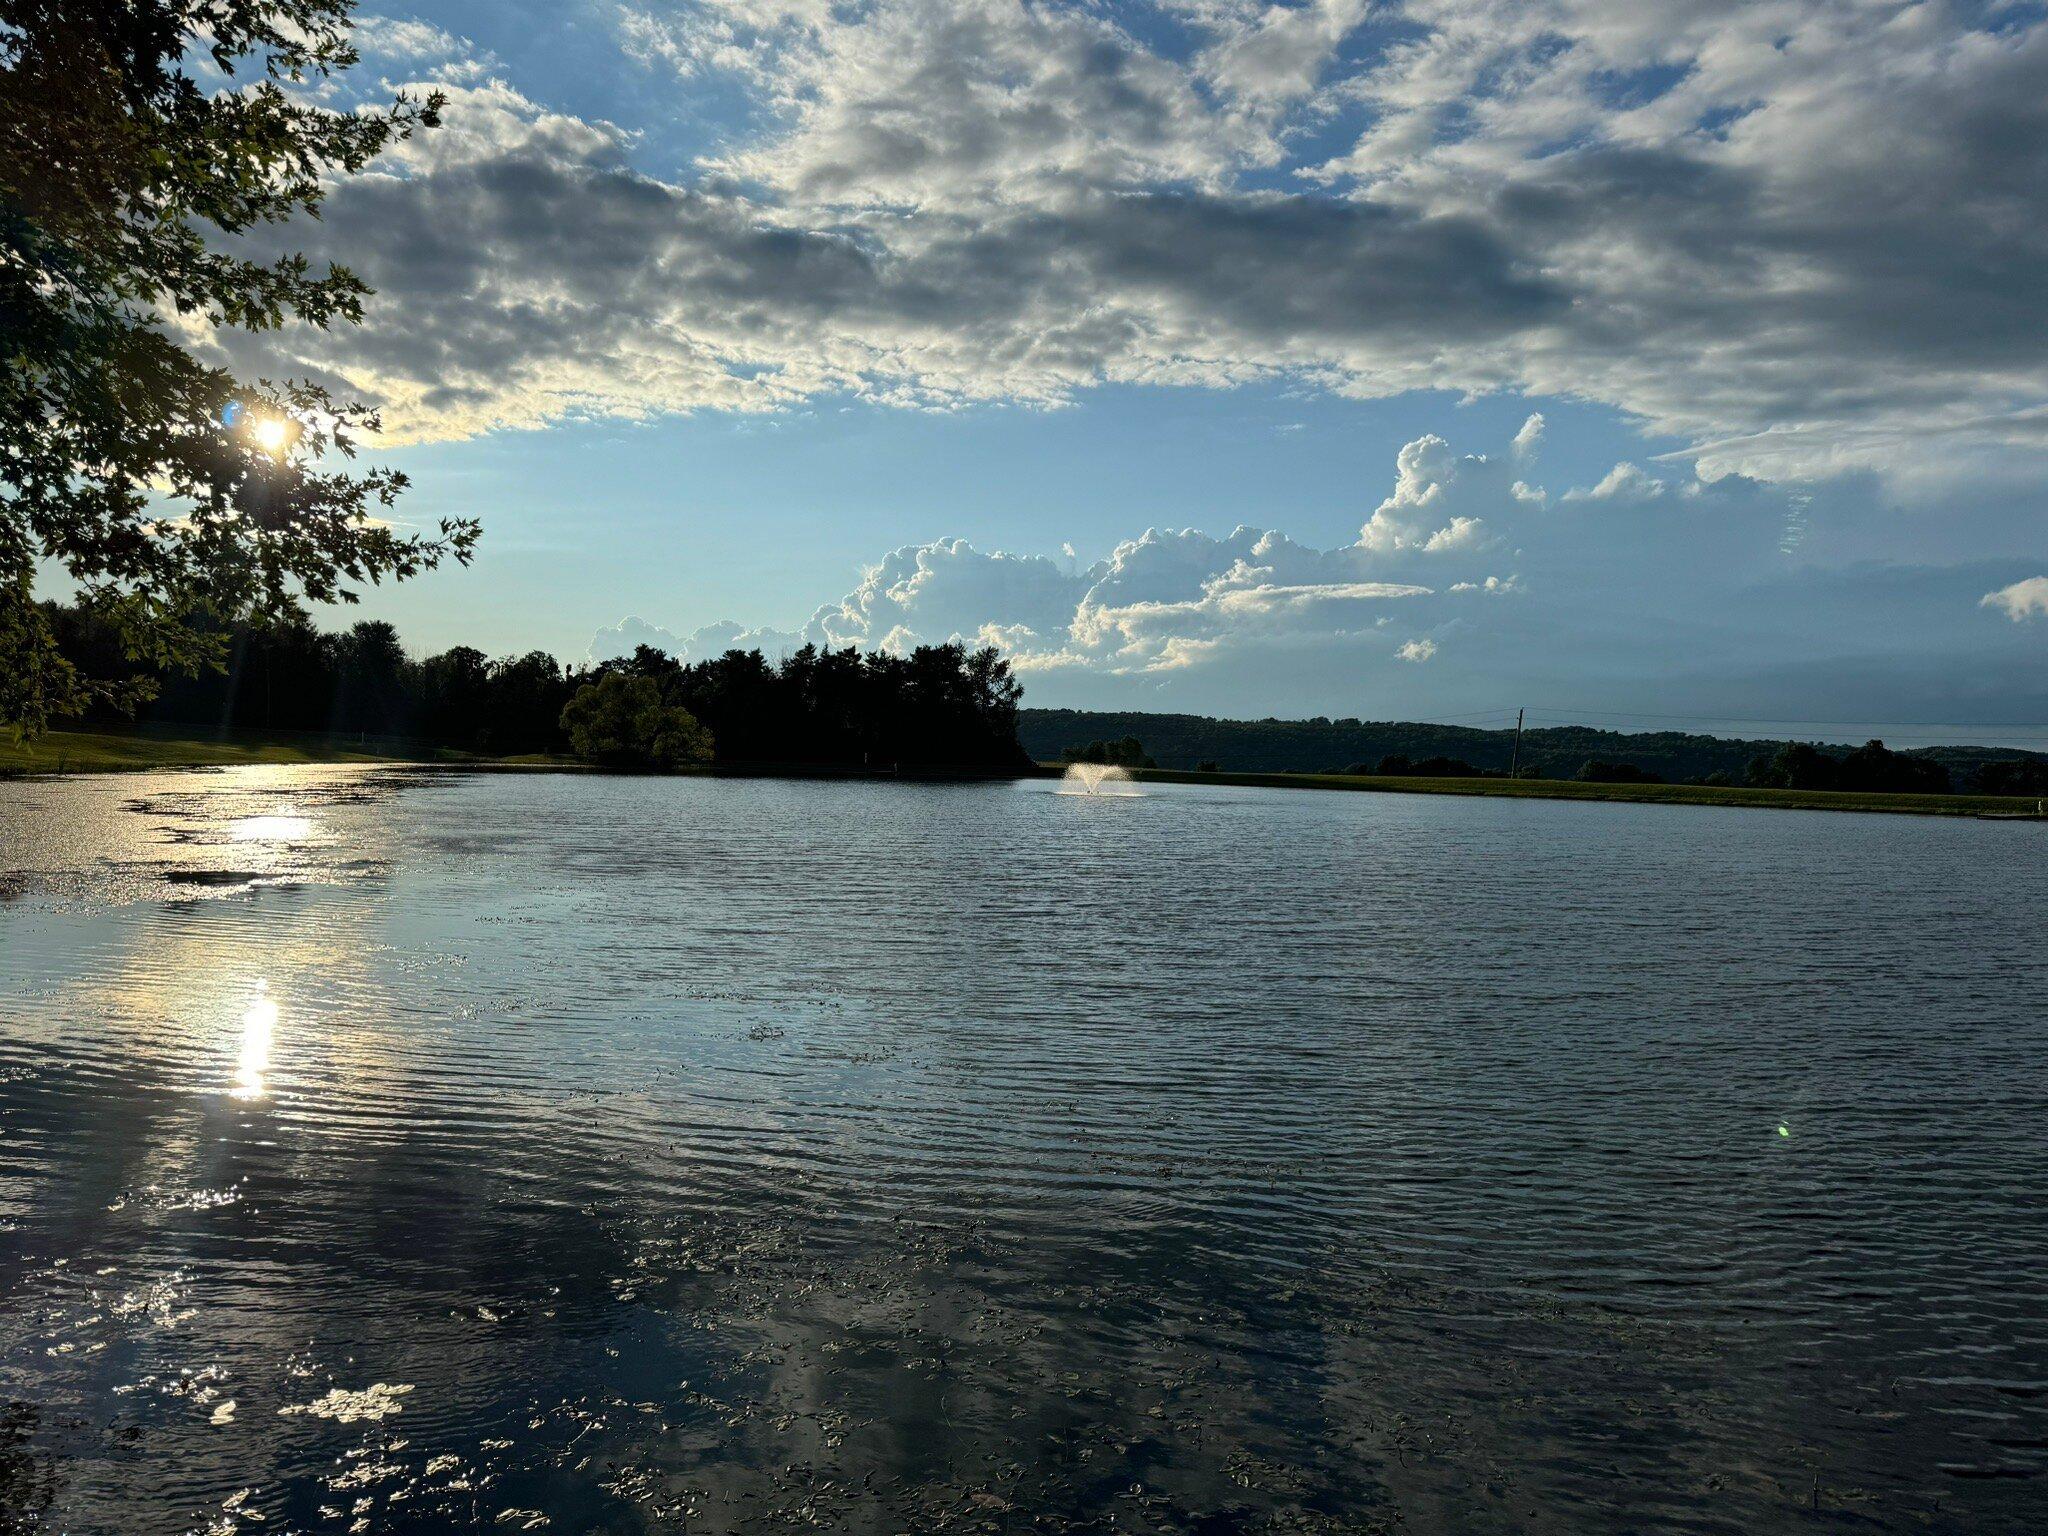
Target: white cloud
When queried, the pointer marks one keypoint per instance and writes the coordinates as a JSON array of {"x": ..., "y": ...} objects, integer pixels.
[
  {"x": 1437, "y": 498},
  {"x": 2022, "y": 600},
  {"x": 1417, "y": 650},
  {"x": 626, "y": 636},
  {"x": 1624, "y": 482},
  {"x": 950, "y": 590},
  {"x": 1529, "y": 441}
]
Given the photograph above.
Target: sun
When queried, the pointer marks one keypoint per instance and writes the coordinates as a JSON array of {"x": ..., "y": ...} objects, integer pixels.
[{"x": 271, "y": 434}]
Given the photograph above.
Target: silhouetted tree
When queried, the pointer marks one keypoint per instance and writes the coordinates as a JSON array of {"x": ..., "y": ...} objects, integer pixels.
[
  {"x": 2015, "y": 777},
  {"x": 375, "y": 680},
  {"x": 1872, "y": 767},
  {"x": 454, "y": 698}
]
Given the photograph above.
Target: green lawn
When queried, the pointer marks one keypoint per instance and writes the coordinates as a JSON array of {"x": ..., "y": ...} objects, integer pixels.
[
  {"x": 120, "y": 751},
  {"x": 1642, "y": 794}
]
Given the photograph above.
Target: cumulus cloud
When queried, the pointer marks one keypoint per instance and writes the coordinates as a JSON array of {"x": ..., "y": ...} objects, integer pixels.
[
  {"x": 1169, "y": 600},
  {"x": 715, "y": 639},
  {"x": 1680, "y": 595},
  {"x": 1786, "y": 233},
  {"x": 949, "y": 590},
  {"x": 1493, "y": 586},
  {"x": 627, "y": 636},
  {"x": 2022, "y": 600},
  {"x": 1624, "y": 482},
  {"x": 1440, "y": 500}
]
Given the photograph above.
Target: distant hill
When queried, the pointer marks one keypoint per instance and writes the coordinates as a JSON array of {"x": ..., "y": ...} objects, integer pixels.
[{"x": 1315, "y": 746}]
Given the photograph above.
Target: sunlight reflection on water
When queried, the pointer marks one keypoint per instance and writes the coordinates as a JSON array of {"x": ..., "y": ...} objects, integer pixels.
[
  {"x": 281, "y": 828},
  {"x": 259, "y": 1024}
]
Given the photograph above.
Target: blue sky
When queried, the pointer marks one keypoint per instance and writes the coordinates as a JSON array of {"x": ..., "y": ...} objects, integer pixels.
[
  {"x": 751, "y": 518},
  {"x": 1653, "y": 362}
]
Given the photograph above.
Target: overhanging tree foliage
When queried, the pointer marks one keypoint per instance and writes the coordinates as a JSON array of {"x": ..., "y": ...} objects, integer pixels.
[{"x": 177, "y": 500}]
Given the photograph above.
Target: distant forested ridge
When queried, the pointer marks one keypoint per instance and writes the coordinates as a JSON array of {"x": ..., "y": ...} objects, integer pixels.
[
  {"x": 1557, "y": 752},
  {"x": 938, "y": 707}
]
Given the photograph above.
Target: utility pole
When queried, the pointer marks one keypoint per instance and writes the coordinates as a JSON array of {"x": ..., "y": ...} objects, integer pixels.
[{"x": 1515, "y": 761}]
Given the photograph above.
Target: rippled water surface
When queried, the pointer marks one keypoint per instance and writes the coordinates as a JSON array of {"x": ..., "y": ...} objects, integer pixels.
[{"x": 392, "y": 1152}]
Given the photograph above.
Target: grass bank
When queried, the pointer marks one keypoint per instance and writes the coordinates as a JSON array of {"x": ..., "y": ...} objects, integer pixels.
[
  {"x": 139, "y": 749},
  {"x": 135, "y": 750},
  {"x": 1637, "y": 794}
]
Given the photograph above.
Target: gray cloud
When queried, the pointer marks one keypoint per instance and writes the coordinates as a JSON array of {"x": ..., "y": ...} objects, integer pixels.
[
  {"x": 540, "y": 278},
  {"x": 1802, "y": 235}
]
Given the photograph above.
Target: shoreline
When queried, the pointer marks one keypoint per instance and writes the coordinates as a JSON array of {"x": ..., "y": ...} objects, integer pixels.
[
  {"x": 1976, "y": 807},
  {"x": 60, "y": 752}
]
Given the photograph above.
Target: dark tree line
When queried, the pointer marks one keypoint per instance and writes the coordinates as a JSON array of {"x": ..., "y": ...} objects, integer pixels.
[
  {"x": 1126, "y": 753},
  {"x": 1398, "y": 765},
  {"x": 939, "y": 706},
  {"x": 1599, "y": 771},
  {"x": 2016, "y": 777},
  {"x": 1871, "y": 767},
  {"x": 291, "y": 677}
]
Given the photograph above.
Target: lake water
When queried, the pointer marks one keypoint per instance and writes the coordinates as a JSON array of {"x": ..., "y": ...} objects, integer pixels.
[{"x": 391, "y": 1152}]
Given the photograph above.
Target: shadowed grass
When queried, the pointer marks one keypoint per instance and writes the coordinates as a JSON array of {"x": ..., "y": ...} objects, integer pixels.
[
  {"x": 117, "y": 751},
  {"x": 1637, "y": 794},
  {"x": 133, "y": 750}
]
